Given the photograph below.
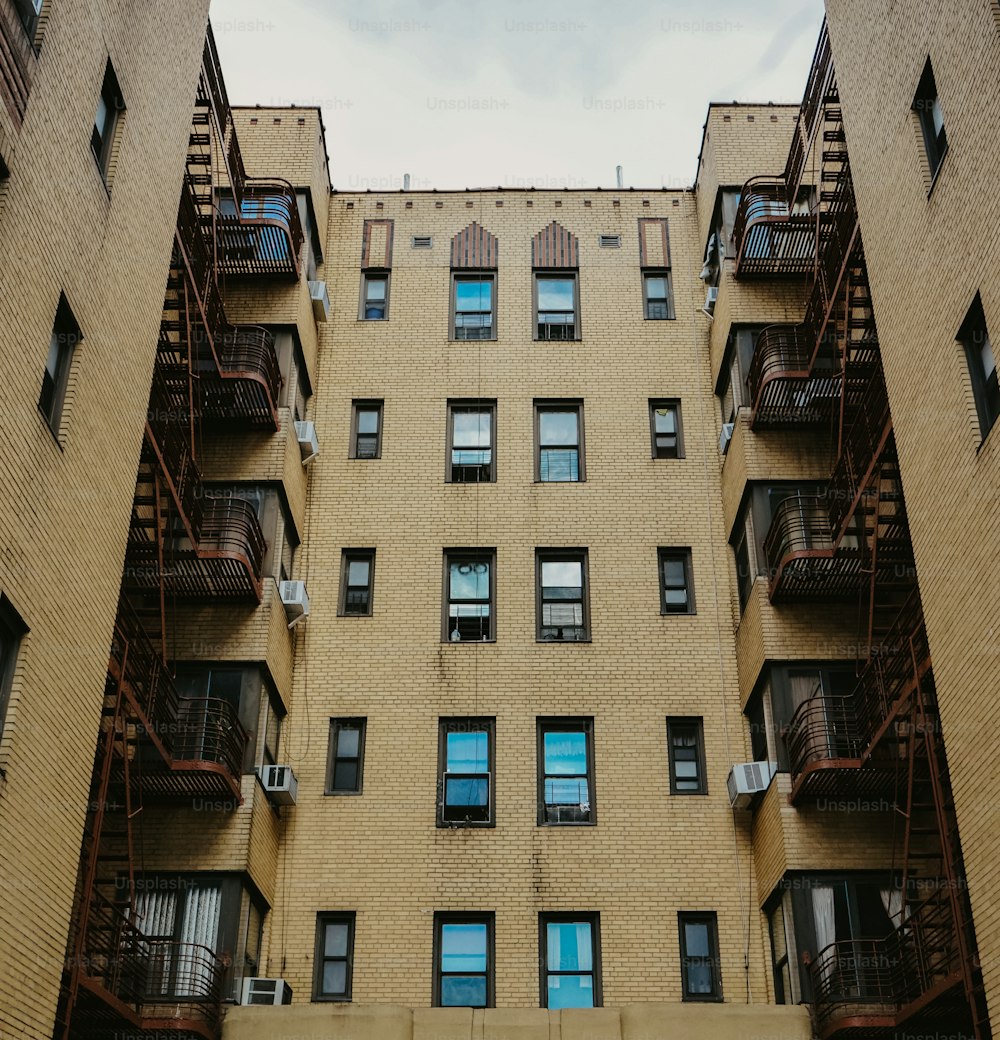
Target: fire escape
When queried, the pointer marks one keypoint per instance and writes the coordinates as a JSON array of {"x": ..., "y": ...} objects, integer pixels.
[
  {"x": 187, "y": 542},
  {"x": 853, "y": 543}
]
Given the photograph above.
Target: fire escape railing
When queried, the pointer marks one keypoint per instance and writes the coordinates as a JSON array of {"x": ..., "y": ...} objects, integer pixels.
[
  {"x": 770, "y": 239},
  {"x": 17, "y": 62}
]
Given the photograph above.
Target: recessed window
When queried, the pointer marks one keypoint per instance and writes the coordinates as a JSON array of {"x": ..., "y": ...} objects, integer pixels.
[
  {"x": 657, "y": 295},
  {"x": 686, "y": 751},
  {"x": 29, "y": 12},
  {"x": 471, "y": 426},
  {"x": 463, "y": 960},
  {"x": 570, "y": 960},
  {"x": 566, "y": 771},
  {"x": 665, "y": 429},
  {"x": 473, "y": 306},
  {"x": 346, "y": 756},
  {"x": 676, "y": 586},
  {"x": 469, "y": 615},
  {"x": 927, "y": 107},
  {"x": 563, "y": 613},
  {"x": 700, "y": 975},
  {"x": 366, "y": 430},
  {"x": 557, "y": 307},
  {"x": 65, "y": 337},
  {"x": 334, "y": 959},
  {"x": 975, "y": 338},
  {"x": 110, "y": 106},
  {"x": 559, "y": 442},
  {"x": 12, "y": 629},
  {"x": 357, "y": 579},
  {"x": 374, "y": 296},
  {"x": 465, "y": 773}
]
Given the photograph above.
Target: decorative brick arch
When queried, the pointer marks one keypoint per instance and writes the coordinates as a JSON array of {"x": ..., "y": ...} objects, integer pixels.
[
  {"x": 474, "y": 247},
  {"x": 554, "y": 246}
]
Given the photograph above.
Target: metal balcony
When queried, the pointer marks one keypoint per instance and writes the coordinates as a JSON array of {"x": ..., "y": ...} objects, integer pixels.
[
  {"x": 771, "y": 241},
  {"x": 789, "y": 385},
  {"x": 17, "y": 59},
  {"x": 244, "y": 387},
  {"x": 801, "y": 557},
  {"x": 264, "y": 238}
]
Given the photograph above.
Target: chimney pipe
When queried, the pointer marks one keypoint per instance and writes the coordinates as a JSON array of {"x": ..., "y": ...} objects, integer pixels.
[
  {"x": 618, "y": 175},
  {"x": 406, "y": 182}
]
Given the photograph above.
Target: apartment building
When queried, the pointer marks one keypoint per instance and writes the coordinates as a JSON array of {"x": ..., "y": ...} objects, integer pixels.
[{"x": 507, "y": 613}]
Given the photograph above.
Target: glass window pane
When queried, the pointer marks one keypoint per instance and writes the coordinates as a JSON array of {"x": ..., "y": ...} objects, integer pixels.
[
  {"x": 463, "y": 947},
  {"x": 562, "y": 579},
  {"x": 558, "y": 427},
  {"x": 467, "y": 752},
  {"x": 345, "y": 776},
  {"x": 470, "y": 580},
  {"x": 461, "y": 991},
  {"x": 666, "y": 420},
  {"x": 567, "y": 792},
  {"x": 696, "y": 939},
  {"x": 375, "y": 290},
  {"x": 675, "y": 598},
  {"x": 555, "y": 465},
  {"x": 568, "y": 944},
  {"x": 699, "y": 978},
  {"x": 367, "y": 420},
  {"x": 571, "y": 991},
  {"x": 335, "y": 977},
  {"x": 673, "y": 573},
  {"x": 555, "y": 294},
  {"x": 335, "y": 944},
  {"x": 656, "y": 287},
  {"x": 348, "y": 741},
  {"x": 357, "y": 572},
  {"x": 565, "y": 753},
  {"x": 474, "y": 295},
  {"x": 467, "y": 792},
  {"x": 471, "y": 429}
]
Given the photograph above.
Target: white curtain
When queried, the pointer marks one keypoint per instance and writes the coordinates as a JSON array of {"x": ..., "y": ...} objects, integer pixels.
[
  {"x": 892, "y": 900},
  {"x": 156, "y": 912},
  {"x": 826, "y": 924},
  {"x": 199, "y": 927}
]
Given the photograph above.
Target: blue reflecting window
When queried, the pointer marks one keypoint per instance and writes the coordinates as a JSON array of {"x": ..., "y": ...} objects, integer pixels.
[
  {"x": 570, "y": 963},
  {"x": 700, "y": 974},
  {"x": 471, "y": 443},
  {"x": 466, "y": 781},
  {"x": 566, "y": 779},
  {"x": 474, "y": 307},
  {"x": 556, "y": 310},
  {"x": 464, "y": 975}
]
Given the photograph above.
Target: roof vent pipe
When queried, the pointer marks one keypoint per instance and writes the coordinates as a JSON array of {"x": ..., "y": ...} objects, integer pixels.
[
  {"x": 406, "y": 182},
  {"x": 618, "y": 176}
]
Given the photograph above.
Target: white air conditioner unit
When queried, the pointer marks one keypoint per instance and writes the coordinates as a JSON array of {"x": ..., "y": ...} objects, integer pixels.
[
  {"x": 710, "y": 299},
  {"x": 305, "y": 434},
  {"x": 280, "y": 784},
  {"x": 295, "y": 600},
  {"x": 747, "y": 781},
  {"x": 320, "y": 300},
  {"x": 266, "y": 991},
  {"x": 726, "y": 436}
]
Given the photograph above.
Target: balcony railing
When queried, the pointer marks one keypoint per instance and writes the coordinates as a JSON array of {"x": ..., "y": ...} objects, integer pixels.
[
  {"x": 17, "y": 62},
  {"x": 801, "y": 557},
  {"x": 245, "y": 385},
  {"x": 168, "y": 433},
  {"x": 770, "y": 240},
  {"x": 787, "y": 386},
  {"x": 265, "y": 237}
]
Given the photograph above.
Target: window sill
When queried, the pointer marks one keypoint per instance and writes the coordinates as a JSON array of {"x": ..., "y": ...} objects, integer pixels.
[
  {"x": 937, "y": 173},
  {"x": 566, "y": 826},
  {"x": 560, "y": 483},
  {"x": 371, "y": 321},
  {"x": 702, "y": 1000},
  {"x": 473, "y": 826},
  {"x": 563, "y": 642},
  {"x": 52, "y": 433},
  {"x": 678, "y": 613},
  {"x": 468, "y": 642},
  {"x": 343, "y": 794},
  {"x": 989, "y": 434},
  {"x": 343, "y": 614},
  {"x": 330, "y": 1000},
  {"x": 689, "y": 794}
]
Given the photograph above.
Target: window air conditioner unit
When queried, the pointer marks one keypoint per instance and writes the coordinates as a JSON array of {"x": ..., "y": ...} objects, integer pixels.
[
  {"x": 305, "y": 434},
  {"x": 295, "y": 600},
  {"x": 266, "y": 991},
  {"x": 710, "y": 298},
  {"x": 747, "y": 781},
  {"x": 280, "y": 784},
  {"x": 320, "y": 300},
  {"x": 726, "y": 436}
]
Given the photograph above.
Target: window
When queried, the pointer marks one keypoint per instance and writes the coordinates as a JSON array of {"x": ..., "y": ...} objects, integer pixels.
[
  {"x": 110, "y": 106},
  {"x": 357, "y": 578},
  {"x": 975, "y": 338},
  {"x": 745, "y": 571},
  {"x": 566, "y": 771},
  {"x": 778, "y": 922},
  {"x": 334, "y": 959},
  {"x": 676, "y": 586},
  {"x": 465, "y": 776},
  {"x": 733, "y": 388},
  {"x": 562, "y": 608},
  {"x": 559, "y": 442},
  {"x": 463, "y": 960},
  {"x": 269, "y": 741},
  {"x": 665, "y": 429},
  {"x": 65, "y": 337},
  {"x": 701, "y": 978},
  {"x": 374, "y": 296},
  {"x": 469, "y": 591},
  {"x": 470, "y": 442},
  {"x": 12, "y": 628},
  {"x": 570, "y": 960},
  {"x": 366, "y": 430},
  {"x": 346, "y": 758},
  {"x": 686, "y": 749},
  {"x": 29, "y": 11},
  {"x": 927, "y": 107},
  {"x": 556, "y": 306},
  {"x": 473, "y": 306},
  {"x": 830, "y": 688},
  {"x": 657, "y": 295}
]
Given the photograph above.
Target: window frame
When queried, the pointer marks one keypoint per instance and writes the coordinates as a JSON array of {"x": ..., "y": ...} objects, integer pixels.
[
  {"x": 925, "y": 99},
  {"x": 470, "y": 723},
  {"x": 546, "y": 555},
  {"x": 446, "y": 917},
  {"x": 683, "y": 554},
  {"x": 470, "y": 404},
  {"x": 591, "y": 917},
  {"x": 348, "y": 556},
  {"x": 487, "y": 555},
  {"x": 658, "y": 404},
  {"x": 697, "y": 723},
  {"x": 985, "y": 389},
  {"x": 565, "y": 724},
  {"x": 338, "y": 723},
  {"x": 323, "y": 918},
  {"x": 64, "y": 340},
  {"x": 12, "y": 633},
  {"x": 372, "y": 274},
  {"x": 658, "y": 272},
  {"x": 359, "y": 405},
  {"x": 554, "y": 405},
  {"x": 472, "y": 275},
  {"x": 555, "y": 274},
  {"x": 102, "y": 143},
  {"x": 709, "y": 917}
]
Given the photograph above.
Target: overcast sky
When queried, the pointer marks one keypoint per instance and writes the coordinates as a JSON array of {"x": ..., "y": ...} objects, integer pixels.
[{"x": 481, "y": 93}]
